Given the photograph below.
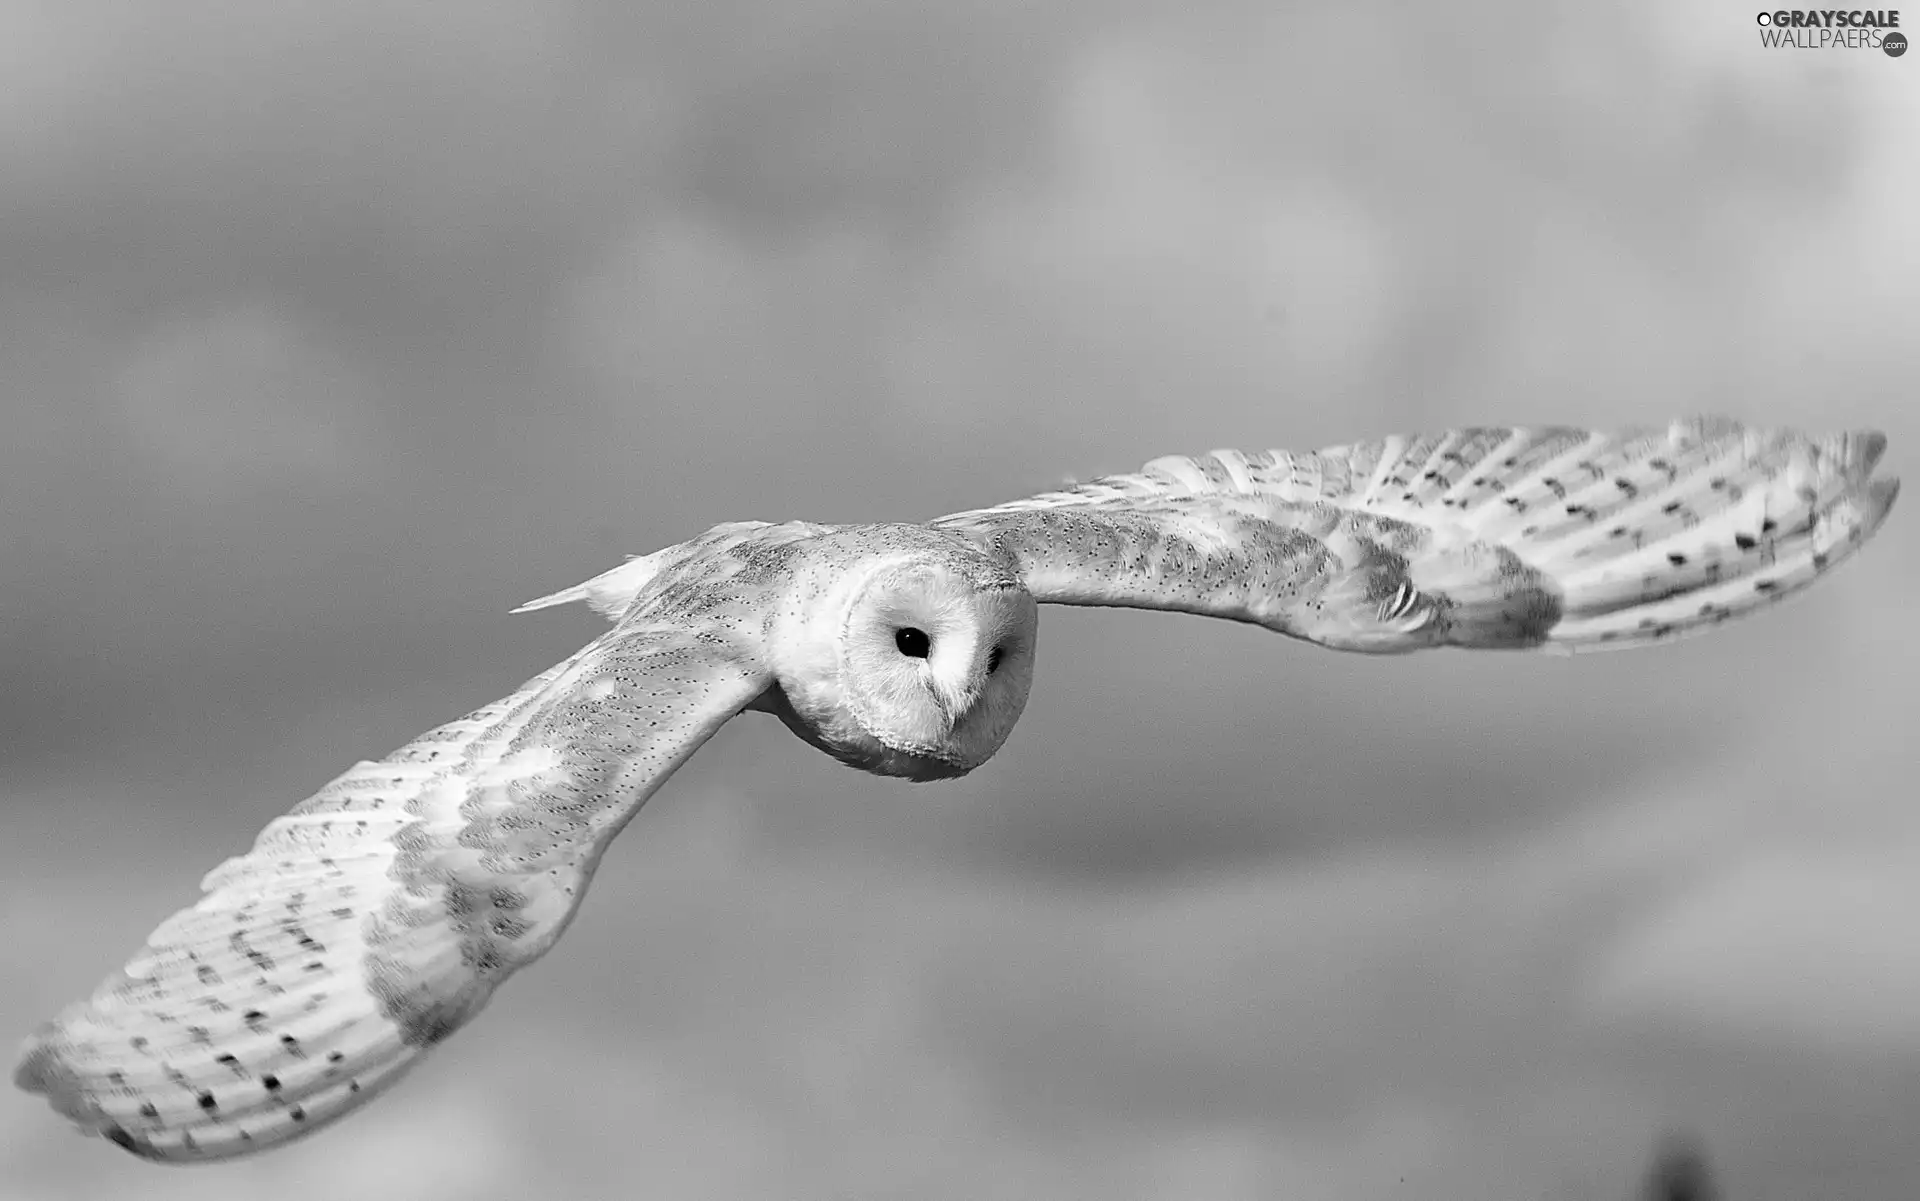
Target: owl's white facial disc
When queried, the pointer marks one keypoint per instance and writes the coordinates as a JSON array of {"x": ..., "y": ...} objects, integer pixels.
[{"x": 935, "y": 661}]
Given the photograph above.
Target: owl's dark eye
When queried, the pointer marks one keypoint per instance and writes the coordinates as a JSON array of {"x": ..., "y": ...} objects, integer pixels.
[
  {"x": 993, "y": 659},
  {"x": 913, "y": 643}
]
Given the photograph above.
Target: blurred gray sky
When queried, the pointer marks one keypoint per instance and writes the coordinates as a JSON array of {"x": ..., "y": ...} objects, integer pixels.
[{"x": 328, "y": 332}]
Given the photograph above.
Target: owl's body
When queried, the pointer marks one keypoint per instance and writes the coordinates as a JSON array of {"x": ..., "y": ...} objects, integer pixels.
[{"x": 380, "y": 915}]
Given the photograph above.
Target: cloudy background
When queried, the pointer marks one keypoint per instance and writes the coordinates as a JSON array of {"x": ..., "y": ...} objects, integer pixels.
[{"x": 328, "y": 332}]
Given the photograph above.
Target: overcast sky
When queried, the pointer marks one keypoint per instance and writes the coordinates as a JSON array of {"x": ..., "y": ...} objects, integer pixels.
[{"x": 329, "y": 332}]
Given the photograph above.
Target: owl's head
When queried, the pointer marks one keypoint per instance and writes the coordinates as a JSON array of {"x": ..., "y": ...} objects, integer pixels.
[
  {"x": 936, "y": 656},
  {"x": 915, "y": 658}
]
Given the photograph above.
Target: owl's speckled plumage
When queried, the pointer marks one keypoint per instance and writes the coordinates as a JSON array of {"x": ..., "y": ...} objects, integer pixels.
[{"x": 378, "y": 916}]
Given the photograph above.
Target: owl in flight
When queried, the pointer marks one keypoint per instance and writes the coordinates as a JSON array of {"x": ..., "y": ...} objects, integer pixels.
[{"x": 378, "y": 916}]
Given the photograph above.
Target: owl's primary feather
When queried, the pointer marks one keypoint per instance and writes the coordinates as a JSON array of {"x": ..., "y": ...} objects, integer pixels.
[{"x": 379, "y": 916}]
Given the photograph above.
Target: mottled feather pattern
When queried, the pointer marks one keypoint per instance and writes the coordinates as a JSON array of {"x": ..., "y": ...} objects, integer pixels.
[
  {"x": 1557, "y": 538},
  {"x": 379, "y": 916}
]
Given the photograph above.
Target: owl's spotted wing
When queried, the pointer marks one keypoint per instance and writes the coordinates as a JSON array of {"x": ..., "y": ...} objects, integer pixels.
[
  {"x": 377, "y": 917},
  {"x": 1558, "y": 538}
]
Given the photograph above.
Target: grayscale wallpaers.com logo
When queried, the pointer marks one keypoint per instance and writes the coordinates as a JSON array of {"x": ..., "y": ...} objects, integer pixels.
[{"x": 1821, "y": 29}]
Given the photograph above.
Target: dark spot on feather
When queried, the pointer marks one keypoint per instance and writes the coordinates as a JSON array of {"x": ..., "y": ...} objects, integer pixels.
[
  {"x": 1626, "y": 486},
  {"x": 1769, "y": 525},
  {"x": 1764, "y": 585},
  {"x": 459, "y": 900},
  {"x": 1671, "y": 507},
  {"x": 297, "y": 1114},
  {"x": 483, "y": 957},
  {"x": 1820, "y": 561},
  {"x": 208, "y": 1103},
  {"x": 116, "y": 1077},
  {"x": 270, "y": 1082},
  {"x": 147, "y": 1110},
  {"x": 335, "y": 1056},
  {"x": 138, "y": 1042},
  {"x": 1745, "y": 541},
  {"x": 292, "y": 1045},
  {"x": 1676, "y": 558}
]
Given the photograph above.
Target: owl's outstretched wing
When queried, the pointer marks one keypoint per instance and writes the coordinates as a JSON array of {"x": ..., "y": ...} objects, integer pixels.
[
  {"x": 1557, "y": 538},
  {"x": 377, "y": 917}
]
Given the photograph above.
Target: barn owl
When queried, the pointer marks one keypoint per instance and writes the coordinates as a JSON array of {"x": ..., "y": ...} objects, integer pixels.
[{"x": 378, "y": 916}]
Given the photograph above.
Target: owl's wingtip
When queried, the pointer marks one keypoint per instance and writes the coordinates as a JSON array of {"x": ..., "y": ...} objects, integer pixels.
[
  {"x": 1871, "y": 444},
  {"x": 43, "y": 1072},
  {"x": 1863, "y": 451},
  {"x": 1880, "y": 497},
  {"x": 29, "y": 1074}
]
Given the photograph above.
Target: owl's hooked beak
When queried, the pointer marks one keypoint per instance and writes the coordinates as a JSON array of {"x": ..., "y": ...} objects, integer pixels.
[{"x": 956, "y": 703}]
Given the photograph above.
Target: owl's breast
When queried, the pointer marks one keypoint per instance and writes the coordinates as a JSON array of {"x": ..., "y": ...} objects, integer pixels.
[{"x": 833, "y": 729}]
